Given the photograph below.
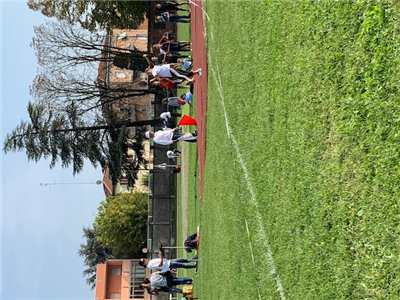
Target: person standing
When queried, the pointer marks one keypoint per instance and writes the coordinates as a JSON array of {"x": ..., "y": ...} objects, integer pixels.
[
  {"x": 168, "y": 71},
  {"x": 167, "y": 264},
  {"x": 166, "y": 16},
  {"x": 174, "y": 46},
  {"x": 164, "y": 281},
  {"x": 169, "y": 5},
  {"x": 168, "y": 136}
]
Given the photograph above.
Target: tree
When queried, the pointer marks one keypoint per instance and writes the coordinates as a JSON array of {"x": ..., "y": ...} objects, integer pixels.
[
  {"x": 70, "y": 58},
  {"x": 93, "y": 15},
  {"x": 60, "y": 45},
  {"x": 95, "y": 253},
  {"x": 63, "y": 135},
  {"x": 122, "y": 222}
]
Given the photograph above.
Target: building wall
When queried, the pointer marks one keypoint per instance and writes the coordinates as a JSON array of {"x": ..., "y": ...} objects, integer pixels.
[{"x": 122, "y": 283}]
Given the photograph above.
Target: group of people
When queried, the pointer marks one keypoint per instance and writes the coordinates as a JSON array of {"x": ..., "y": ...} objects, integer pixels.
[
  {"x": 165, "y": 279},
  {"x": 169, "y": 6},
  {"x": 169, "y": 70}
]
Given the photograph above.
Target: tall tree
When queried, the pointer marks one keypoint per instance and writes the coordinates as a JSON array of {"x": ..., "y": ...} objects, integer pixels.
[
  {"x": 94, "y": 253},
  {"x": 122, "y": 222},
  {"x": 70, "y": 58},
  {"x": 93, "y": 15},
  {"x": 59, "y": 45},
  {"x": 67, "y": 137}
]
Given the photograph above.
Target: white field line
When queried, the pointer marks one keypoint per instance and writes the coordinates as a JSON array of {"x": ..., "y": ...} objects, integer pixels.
[
  {"x": 262, "y": 238},
  {"x": 252, "y": 257}
]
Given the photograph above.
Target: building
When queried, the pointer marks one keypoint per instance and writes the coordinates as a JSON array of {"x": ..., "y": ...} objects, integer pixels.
[
  {"x": 121, "y": 79},
  {"x": 120, "y": 279}
]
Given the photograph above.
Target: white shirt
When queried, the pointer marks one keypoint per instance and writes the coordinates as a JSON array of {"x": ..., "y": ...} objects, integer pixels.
[
  {"x": 163, "y": 137},
  {"x": 155, "y": 264},
  {"x": 165, "y": 115},
  {"x": 162, "y": 71}
]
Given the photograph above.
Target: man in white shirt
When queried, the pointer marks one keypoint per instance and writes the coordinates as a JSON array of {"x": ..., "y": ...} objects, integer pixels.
[
  {"x": 168, "y": 264},
  {"x": 168, "y": 136},
  {"x": 167, "y": 71}
]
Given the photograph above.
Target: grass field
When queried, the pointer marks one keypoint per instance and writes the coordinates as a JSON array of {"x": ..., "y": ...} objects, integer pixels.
[{"x": 301, "y": 196}]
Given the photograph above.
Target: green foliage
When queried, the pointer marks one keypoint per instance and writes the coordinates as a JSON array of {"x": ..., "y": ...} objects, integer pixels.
[
  {"x": 122, "y": 222},
  {"x": 145, "y": 180},
  {"x": 54, "y": 136},
  {"x": 65, "y": 136},
  {"x": 311, "y": 90},
  {"x": 93, "y": 15},
  {"x": 93, "y": 253}
]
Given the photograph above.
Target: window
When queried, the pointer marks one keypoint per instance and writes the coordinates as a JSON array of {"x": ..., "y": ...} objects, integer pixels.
[
  {"x": 116, "y": 271},
  {"x": 138, "y": 274},
  {"x": 115, "y": 296},
  {"x": 140, "y": 74},
  {"x": 141, "y": 36},
  {"x": 120, "y": 74}
]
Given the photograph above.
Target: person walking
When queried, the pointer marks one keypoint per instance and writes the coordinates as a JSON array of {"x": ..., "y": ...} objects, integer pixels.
[
  {"x": 174, "y": 46},
  {"x": 168, "y": 71},
  {"x": 168, "y": 136},
  {"x": 173, "y": 18},
  {"x": 167, "y": 264},
  {"x": 164, "y": 281},
  {"x": 172, "y": 6}
]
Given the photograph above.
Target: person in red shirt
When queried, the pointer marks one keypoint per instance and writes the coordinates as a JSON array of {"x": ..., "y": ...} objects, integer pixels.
[{"x": 167, "y": 83}]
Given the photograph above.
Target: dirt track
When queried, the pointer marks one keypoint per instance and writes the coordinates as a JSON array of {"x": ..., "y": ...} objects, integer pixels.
[{"x": 200, "y": 86}]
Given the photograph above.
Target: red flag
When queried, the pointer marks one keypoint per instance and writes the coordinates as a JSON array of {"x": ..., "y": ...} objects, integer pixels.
[{"x": 186, "y": 120}]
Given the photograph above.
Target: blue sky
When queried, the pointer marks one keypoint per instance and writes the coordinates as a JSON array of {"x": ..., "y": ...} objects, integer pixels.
[{"x": 41, "y": 227}]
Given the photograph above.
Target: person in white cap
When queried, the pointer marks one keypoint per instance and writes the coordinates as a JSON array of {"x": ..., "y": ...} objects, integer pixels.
[
  {"x": 168, "y": 136},
  {"x": 172, "y": 154}
]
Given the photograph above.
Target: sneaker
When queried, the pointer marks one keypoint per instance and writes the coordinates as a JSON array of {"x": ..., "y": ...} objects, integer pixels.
[
  {"x": 196, "y": 256},
  {"x": 199, "y": 71}
]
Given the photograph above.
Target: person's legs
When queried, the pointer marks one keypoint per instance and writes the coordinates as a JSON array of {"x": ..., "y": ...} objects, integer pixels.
[
  {"x": 182, "y": 260},
  {"x": 183, "y": 49},
  {"x": 177, "y": 73},
  {"x": 180, "y": 19},
  {"x": 176, "y": 135},
  {"x": 180, "y": 280},
  {"x": 189, "y": 74},
  {"x": 184, "y": 44},
  {"x": 173, "y": 290},
  {"x": 176, "y": 265}
]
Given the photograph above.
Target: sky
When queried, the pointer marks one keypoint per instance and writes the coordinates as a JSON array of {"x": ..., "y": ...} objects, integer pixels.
[{"x": 41, "y": 226}]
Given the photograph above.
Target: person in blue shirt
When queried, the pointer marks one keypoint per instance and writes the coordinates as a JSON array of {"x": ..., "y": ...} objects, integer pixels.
[
  {"x": 185, "y": 63},
  {"x": 187, "y": 98},
  {"x": 166, "y": 16}
]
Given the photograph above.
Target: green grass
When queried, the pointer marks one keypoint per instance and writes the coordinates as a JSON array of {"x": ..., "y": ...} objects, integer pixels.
[
  {"x": 192, "y": 181},
  {"x": 311, "y": 92}
]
